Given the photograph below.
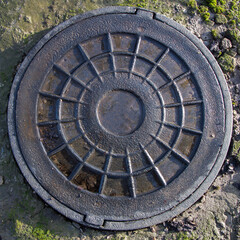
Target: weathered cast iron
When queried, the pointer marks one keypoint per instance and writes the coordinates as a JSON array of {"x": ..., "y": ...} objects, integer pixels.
[{"x": 119, "y": 118}]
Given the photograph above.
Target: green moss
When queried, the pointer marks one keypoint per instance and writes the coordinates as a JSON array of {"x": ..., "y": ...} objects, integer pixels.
[
  {"x": 234, "y": 5},
  {"x": 223, "y": 2},
  {"x": 192, "y": 4},
  {"x": 219, "y": 9},
  {"x": 142, "y": 3},
  {"x": 230, "y": 14},
  {"x": 24, "y": 231},
  {"x": 183, "y": 236},
  {"x": 236, "y": 150},
  {"x": 227, "y": 62},
  {"x": 211, "y": 3},
  {"x": 234, "y": 35},
  {"x": 215, "y": 7},
  {"x": 232, "y": 23},
  {"x": 205, "y": 14},
  {"x": 215, "y": 33},
  {"x": 220, "y": 18}
]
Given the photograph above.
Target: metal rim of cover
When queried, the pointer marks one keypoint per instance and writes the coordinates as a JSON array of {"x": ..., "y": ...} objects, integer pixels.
[{"x": 120, "y": 118}]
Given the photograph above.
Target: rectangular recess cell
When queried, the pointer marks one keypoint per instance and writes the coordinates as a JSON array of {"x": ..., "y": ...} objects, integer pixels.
[
  {"x": 85, "y": 73},
  {"x": 138, "y": 161},
  {"x": 189, "y": 91},
  {"x": 123, "y": 62},
  {"x": 87, "y": 180},
  {"x": 73, "y": 90},
  {"x": 80, "y": 147},
  {"x": 70, "y": 130},
  {"x": 97, "y": 159},
  {"x": 46, "y": 109},
  {"x": 72, "y": 59},
  {"x": 169, "y": 95},
  {"x": 158, "y": 78},
  {"x": 116, "y": 187},
  {"x": 142, "y": 66},
  {"x": 170, "y": 168},
  {"x": 117, "y": 165},
  {"x": 102, "y": 64},
  {"x": 168, "y": 134},
  {"x": 64, "y": 162},
  {"x": 95, "y": 46},
  {"x": 54, "y": 81},
  {"x": 150, "y": 49},
  {"x": 50, "y": 137},
  {"x": 186, "y": 143},
  {"x": 123, "y": 42},
  {"x": 174, "y": 65},
  {"x": 173, "y": 115},
  {"x": 68, "y": 110},
  {"x": 146, "y": 182},
  {"x": 156, "y": 150},
  {"x": 193, "y": 116}
]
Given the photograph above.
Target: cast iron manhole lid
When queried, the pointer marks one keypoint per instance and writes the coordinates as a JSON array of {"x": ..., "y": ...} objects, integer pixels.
[{"x": 120, "y": 118}]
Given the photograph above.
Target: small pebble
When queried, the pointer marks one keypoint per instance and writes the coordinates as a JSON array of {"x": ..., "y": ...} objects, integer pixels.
[
  {"x": 230, "y": 168},
  {"x": 76, "y": 225},
  {"x": 222, "y": 224},
  {"x": 27, "y": 19},
  {"x": 1, "y": 182},
  {"x": 226, "y": 43}
]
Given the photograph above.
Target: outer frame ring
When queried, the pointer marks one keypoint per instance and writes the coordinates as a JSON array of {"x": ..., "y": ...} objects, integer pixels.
[{"x": 116, "y": 225}]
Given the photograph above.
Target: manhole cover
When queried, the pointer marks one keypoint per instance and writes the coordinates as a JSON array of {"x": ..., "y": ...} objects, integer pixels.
[{"x": 120, "y": 118}]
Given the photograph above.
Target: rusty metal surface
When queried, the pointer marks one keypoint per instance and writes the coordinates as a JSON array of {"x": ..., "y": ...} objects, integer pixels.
[{"x": 120, "y": 118}]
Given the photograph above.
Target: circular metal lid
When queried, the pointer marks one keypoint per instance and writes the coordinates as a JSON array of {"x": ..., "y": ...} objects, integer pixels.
[{"x": 120, "y": 118}]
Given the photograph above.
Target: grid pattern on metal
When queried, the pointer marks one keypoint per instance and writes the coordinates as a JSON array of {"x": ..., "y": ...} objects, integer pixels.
[{"x": 90, "y": 161}]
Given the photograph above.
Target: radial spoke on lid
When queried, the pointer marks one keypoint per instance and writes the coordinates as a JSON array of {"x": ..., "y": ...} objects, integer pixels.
[
  {"x": 51, "y": 95},
  {"x": 182, "y": 158},
  {"x": 157, "y": 63},
  {"x": 135, "y": 52},
  {"x": 199, "y": 132},
  {"x": 132, "y": 188},
  {"x": 110, "y": 44},
  {"x": 106, "y": 167},
  {"x": 85, "y": 55},
  {"x": 81, "y": 83},
  {"x": 62, "y": 70},
  {"x": 80, "y": 165},
  {"x": 182, "y": 76},
  {"x": 56, "y": 150},
  {"x": 156, "y": 170},
  {"x": 186, "y": 74},
  {"x": 58, "y": 121},
  {"x": 186, "y": 103}
]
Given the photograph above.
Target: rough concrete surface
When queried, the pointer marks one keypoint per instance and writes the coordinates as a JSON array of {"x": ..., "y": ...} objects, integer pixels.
[{"x": 23, "y": 215}]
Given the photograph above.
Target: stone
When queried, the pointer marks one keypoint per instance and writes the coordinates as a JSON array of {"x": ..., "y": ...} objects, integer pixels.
[
  {"x": 234, "y": 35},
  {"x": 222, "y": 29},
  {"x": 214, "y": 46},
  {"x": 236, "y": 149},
  {"x": 1, "y": 180},
  {"x": 76, "y": 225},
  {"x": 27, "y": 19},
  {"x": 220, "y": 19},
  {"x": 226, "y": 43},
  {"x": 227, "y": 62},
  {"x": 232, "y": 52}
]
